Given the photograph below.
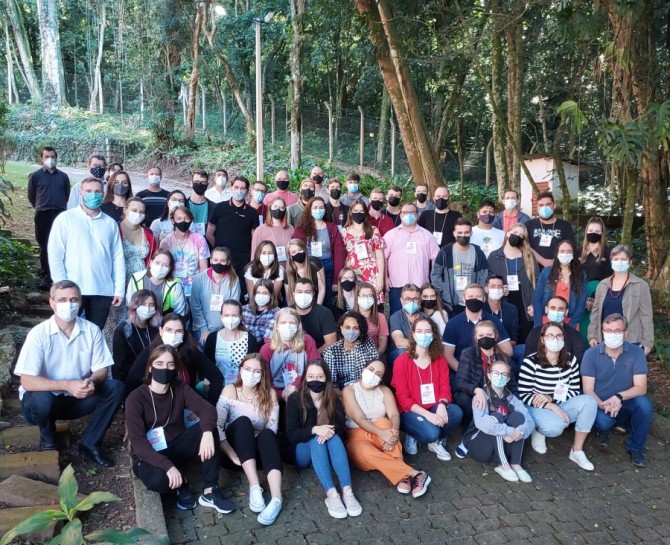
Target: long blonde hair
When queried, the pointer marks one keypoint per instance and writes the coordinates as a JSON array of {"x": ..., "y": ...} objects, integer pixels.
[
  {"x": 528, "y": 259},
  {"x": 297, "y": 343},
  {"x": 263, "y": 388}
]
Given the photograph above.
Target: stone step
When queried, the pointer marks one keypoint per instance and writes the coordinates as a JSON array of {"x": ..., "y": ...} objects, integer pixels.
[
  {"x": 21, "y": 437},
  {"x": 42, "y": 466},
  {"x": 11, "y": 517},
  {"x": 17, "y": 491}
]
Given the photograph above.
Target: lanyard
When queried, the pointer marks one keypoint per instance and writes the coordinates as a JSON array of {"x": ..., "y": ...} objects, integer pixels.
[
  {"x": 435, "y": 221},
  {"x": 154, "y": 406},
  {"x": 141, "y": 337},
  {"x": 430, "y": 366}
]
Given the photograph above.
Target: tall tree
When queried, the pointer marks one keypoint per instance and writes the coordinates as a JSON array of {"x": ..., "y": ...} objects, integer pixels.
[
  {"x": 297, "y": 79},
  {"x": 201, "y": 8},
  {"x": 97, "y": 100},
  {"x": 23, "y": 47},
  {"x": 53, "y": 78}
]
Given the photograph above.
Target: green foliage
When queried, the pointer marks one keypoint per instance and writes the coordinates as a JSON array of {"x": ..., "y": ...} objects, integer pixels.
[
  {"x": 570, "y": 112},
  {"x": 6, "y": 187},
  {"x": 16, "y": 263},
  {"x": 622, "y": 143}
]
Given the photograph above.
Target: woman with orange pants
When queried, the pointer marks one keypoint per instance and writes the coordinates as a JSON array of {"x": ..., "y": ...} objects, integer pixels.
[{"x": 373, "y": 421}]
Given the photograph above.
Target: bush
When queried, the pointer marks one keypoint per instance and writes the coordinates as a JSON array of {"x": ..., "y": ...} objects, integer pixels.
[{"x": 17, "y": 263}]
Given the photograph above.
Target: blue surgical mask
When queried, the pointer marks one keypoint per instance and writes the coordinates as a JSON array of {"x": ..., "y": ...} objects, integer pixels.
[
  {"x": 556, "y": 316},
  {"x": 411, "y": 307},
  {"x": 620, "y": 265},
  {"x": 239, "y": 194},
  {"x": 353, "y": 188},
  {"x": 318, "y": 213},
  {"x": 499, "y": 382},
  {"x": 258, "y": 196},
  {"x": 93, "y": 200},
  {"x": 409, "y": 219},
  {"x": 545, "y": 212},
  {"x": 423, "y": 339}
]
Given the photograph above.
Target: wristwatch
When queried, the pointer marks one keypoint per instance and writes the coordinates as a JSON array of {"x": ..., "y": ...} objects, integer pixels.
[
  {"x": 444, "y": 402},
  {"x": 620, "y": 397}
]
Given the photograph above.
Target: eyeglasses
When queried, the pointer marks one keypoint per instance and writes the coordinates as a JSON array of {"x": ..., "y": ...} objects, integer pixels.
[
  {"x": 498, "y": 374},
  {"x": 551, "y": 337}
]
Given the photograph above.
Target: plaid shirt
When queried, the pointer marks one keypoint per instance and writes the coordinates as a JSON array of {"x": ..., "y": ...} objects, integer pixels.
[
  {"x": 259, "y": 325},
  {"x": 346, "y": 366}
]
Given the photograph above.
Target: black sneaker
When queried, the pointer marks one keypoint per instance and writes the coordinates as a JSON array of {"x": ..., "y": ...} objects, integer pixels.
[
  {"x": 637, "y": 458},
  {"x": 185, "y": 498},
  {"x": 603, "y": 438},
  {"x": 215, "y": 500}
]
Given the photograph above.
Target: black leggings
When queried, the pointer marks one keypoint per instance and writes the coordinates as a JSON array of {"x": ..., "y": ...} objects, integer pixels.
[
  {"x": 180, "y": 451},
  {"x": 484, "y": 447},
  {"x": 263, "y": 447}
]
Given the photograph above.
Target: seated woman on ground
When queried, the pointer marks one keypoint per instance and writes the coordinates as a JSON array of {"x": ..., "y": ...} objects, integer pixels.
[{"x": 260, "y": 314}]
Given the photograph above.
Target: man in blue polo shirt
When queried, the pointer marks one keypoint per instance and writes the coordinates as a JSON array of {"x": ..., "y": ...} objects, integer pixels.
[
  {"x": 614, "y": 372},
  {"x": 458, "y": 333}
]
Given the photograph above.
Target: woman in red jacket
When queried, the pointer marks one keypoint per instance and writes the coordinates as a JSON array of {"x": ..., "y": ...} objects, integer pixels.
[{"x": 421, "y": 382}]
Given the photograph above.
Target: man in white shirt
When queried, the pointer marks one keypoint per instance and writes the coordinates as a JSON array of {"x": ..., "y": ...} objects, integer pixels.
[
  {"x": 85, "y": 247},
  {"x": 484, "y": 235},
  {"x": 64, "y": 368}
]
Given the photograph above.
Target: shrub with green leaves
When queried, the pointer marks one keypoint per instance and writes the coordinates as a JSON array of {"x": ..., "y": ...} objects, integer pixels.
[{"x": 16, "y": 263}]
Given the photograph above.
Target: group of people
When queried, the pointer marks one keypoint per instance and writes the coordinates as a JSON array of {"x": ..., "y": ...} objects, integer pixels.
[{"x": 252, "y": 330}]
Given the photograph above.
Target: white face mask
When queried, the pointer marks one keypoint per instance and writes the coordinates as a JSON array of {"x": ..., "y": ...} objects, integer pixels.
[
  {"x": 366, "y": 302},
  {"x": 555, "y": 345},
  {"x": 67, "y": 311},
  {"x": 613, "y": 340},
  {"x": 230, "y": 322},
  {"x": 496, "y": 294},
  {"x": 173, "y": 204},
  {"x": 369, "y": 379},
  {"x": 50, "y": 163},
  {"x": 303, "y": 300},
  {"x": 172, "y": 339},
  {"x": 565, "y": 259},
  {"x": 220, "y": 181},
  {"x": 158, "y": 271},
  {"x": 249, "y": 378},
  {"x": 135, "y": 217},
  {"x": 267, "y": 260},
  {"x": 145, "y": 312},
  {"x": 154, "y": 179},
  {"x": 262, "y": 299},
  {"x": 287, "y": 331},
  {"x": 510, "y": 204},
  {"x": 619, "y": 265}
]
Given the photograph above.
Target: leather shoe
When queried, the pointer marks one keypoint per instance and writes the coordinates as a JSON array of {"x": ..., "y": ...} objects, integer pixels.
[{"x": 95, "y": 454}]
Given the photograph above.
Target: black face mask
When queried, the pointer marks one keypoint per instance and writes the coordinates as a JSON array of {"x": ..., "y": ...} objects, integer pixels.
[
  {"x": 335, "y": 193},
  {"x": 347, "y": 285},
  {"x": 376, "y": 205},
  {"x": 394, "y": 201},
  {"x": 199, "y": 189},
  {"x": 358, "y": 217},
  {"x": 593, "y": 237},
  {"x": 486, "y": 343},
  {"x": 163, "y": 376},
  {"x": 317, "y": 386},
  {"x": 307, "y": 194},
  {"x": 183, "y": 226},
  {"x": 515, "y": 240},
  {"x": 422, "y": 197},
  {"x": 317, "y": 179},
  {"x": 463, "y": 241},
  {"x": 277, "y": 213},
  {"x": 97, "y": 172},
  {"x": 474, "y": 305},
  {"x": 219, "y": 268},
  {"x": 429, "y": 303},
  {"x": 299, "y": 257},
  {"x": 283, "y": 184},
  {"x": 441, "y": 203}
]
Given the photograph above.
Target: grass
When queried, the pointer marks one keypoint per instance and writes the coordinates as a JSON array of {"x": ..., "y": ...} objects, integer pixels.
[
  {"x": 17, "y": 173},
  {"x": 21, "y": 222}
]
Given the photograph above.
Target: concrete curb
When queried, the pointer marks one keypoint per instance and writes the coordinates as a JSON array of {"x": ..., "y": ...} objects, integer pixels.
[
  {"x": 148, "y": 507},
  {"x": 660, "y": 427}
]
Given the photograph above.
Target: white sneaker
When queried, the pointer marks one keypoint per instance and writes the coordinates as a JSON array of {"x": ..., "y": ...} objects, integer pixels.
[
  {"x": 411, "y": 446},
  {"x": 256, "y": 501},
  {"x": 439, "y": 450},
  {"x": 335, "y": 507},
  {"x": 270, "y": 513},
  {"x": 538, "y": 442},
  {"x": 351, "y": 504},
  {"x": 579, "y": 457}
]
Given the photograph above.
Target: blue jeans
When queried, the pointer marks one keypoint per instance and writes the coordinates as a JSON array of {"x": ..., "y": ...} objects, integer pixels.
[
  {"x": 322, "y": 457},
  {"x": 328, "y": 270},
  {"x": 581, "y": 409},
  {"x": 423, "y": 431},
  {"x": 517, "y": 359},
  {"x": 394, "y": 300},
  {"x": 636, "y": 413}
]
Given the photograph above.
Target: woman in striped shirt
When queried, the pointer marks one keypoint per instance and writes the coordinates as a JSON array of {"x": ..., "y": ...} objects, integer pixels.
[{"x": 549, "y": 383}]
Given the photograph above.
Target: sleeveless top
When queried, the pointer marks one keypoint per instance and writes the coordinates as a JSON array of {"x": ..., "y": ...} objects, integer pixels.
[{"x": 371, "y": 404}]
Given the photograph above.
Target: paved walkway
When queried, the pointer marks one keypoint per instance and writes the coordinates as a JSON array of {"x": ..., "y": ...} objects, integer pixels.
[{"x": 467, "y": 503}]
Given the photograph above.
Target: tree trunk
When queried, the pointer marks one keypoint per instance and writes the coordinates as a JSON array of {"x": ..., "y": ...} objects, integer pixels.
[
  {"x": 23, "y": 48},
  {"x": 557, "y": 154},
  {"x": 189, "y": 126},
  {"x": 383, "y": 128},
  {"x": 630, "y": 183},
  {"x": 297, "y": 80},
  {"x": 514, "y": 36},
  {"x": 96, "y": 101},
  {"x": 53, "y": 79},
  {"x": 499, "y": 136}
]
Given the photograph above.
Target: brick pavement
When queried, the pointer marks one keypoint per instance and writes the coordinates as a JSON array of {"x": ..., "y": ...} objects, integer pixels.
[{"x": 467, "y": 503}]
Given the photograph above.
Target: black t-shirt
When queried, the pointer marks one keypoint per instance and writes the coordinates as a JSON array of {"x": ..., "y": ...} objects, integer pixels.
[
  {"x": 558, "y": 230},
  {"x": 318, "y": 323},
  {"x": 395, "y": 218},
  {"x": 440, "y": 223},
  {"x": 573, "y": 341},
  {"x": 113, "y": 211},
  {"x": 154, "y": 202},
  {"x": 598, "y": 270},
  {"x": 234, "y": 226}
]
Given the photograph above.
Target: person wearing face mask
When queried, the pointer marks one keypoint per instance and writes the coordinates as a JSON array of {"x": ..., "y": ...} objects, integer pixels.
[
  {"x": 48, "y": 192},
  {"x": 511, "y": 214},
  {"x": 139, "y": 243},
  {"x": 316, "y": 319},
  {"x": 220, "y": 191},
  {"x": 288, "y": 352},
  {"x": 258, "y": 191},
  {"x": 484, "y": 235},
  {"x": 373, "y": 438},
  {"x": 228, "y": 347},
  {"x": 160, "y": 443},
  {"x": 136, "y": 332},
  {"x": 345, "y": 293},
  {"x": 422, "y": 199},
  {"x": 318, "y": 177},
  {"x": 307, "y": 193},
  {"x": 276, "y": 228},
  {"x": 352, "y": 351},
  {"x": 199, "y": 205},
  {"x": 118, "y": 191},
  {"x": 338, "y": 211},
  {"x": 260, "y": 314},
  {"x": 64, "y": 366},
  {"x": 248, "y": 419},
  {"x": 614, "y": 373},
  {"x": 189, "y": 249},
  {"x": 154, "y": 196},
  {"x": 282, "y": 181},
  {"x": 393, "y": 206},
  {"x": 299, "y": 265},
  {"x": 158, "y": 279},
  {"x": 265, "y": 266},
  {"x": 85, "y": 247},
  {"x": 97, "y": 166},
  {"x": 366, "y": 306},
  {"x": 409, "y": 251},
  {"x": 209, "y": 290},
  {"x": 547, "y": 231},
  {"x": 431, "y": 305},
  {"x": 353, "y": 190},
  {"x": 196, "y": 365},
  {"x": 565, "y": 277},
  {"x": 440, "y": 221},
  {"x": 401, "y": 322},
  {"x": 550, "y": 386},
  {"x": 423, "y": 393},
  {"x": 499, "y": 428},
  {"x": 505, "y": 312},
  {"x": 315, "y": 429},
  {"x": 627, "y": 294},
  {"x": 457, "y": 265},
  {"x": 163, "y": 226},
  {"x": 377, "y": 217}
]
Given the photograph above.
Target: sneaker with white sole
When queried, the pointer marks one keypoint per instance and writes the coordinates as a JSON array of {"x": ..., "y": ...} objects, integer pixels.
[
  {"x": 270, "y": 513},
  {"x": 538, "y": 442},
  {"x": 461, "y": 451},
  {"x": 411, "y": 446},
  {"x": 438, "y": 448},
  {"x": 215, "y": 500},
  {"x": 256, "y": 501},
  {"x": 523, "y": 476},
  {"x": 421, "y": 482},
  {"x": 185, "y": 498},
  {"x": 508, "y": 474},
  {"x": 404, "y": 486},
  {"x": 336, "y": 508},
  {"x": 351, "y": 504},
  {"x": 579, "y": 457}
]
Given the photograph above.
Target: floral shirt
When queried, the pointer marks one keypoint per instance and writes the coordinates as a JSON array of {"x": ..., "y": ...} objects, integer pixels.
[{"x": 361, "y": 256}]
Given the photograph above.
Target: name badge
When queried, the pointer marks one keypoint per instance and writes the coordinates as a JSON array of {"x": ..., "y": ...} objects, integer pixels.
[
  {"x": 181, "y": 269},
  {"x": 545, "y": 241},
  {"x": 281, "y": 253},
  {"x": 461, "y": 282},
  {"x": 427, "y": 394},
  {"x": 410, "y": 248},
  {"x": 198, "y": 228},
  {"x": 437, "y": 235},
  {"x": 156, "y": 438},
  {"x": 215, "y": 302},
  {"x": 316, "y": 248},
  {"x": 561, "y": 392},
  {"x": 513, "y": 282},
  {"x": 361, "y": 250}
]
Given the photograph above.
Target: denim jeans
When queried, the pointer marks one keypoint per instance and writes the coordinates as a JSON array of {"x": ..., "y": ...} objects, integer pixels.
[
  {"x": 581, "y": 409},
  {"x": 328, "y": 271},
  {"x": 322, "y": 457},
  {"x": 636, "y": 413},
  {"x": 517, "y": 359},
  {"x": 425, "y": 432},
  {"x": 394, "y": 300}
]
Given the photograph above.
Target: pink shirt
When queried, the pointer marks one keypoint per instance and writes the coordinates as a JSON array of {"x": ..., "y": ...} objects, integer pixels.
[
  {"x": 289, "y": 198},
  {"x": 408, "y": 255}
]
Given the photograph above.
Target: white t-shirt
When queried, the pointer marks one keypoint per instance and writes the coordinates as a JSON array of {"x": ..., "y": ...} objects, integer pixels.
[{"x": 488, "y": 240}]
